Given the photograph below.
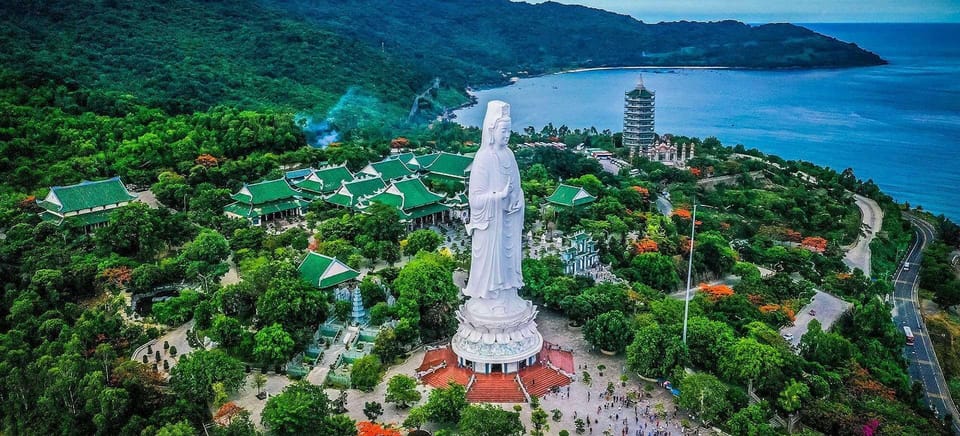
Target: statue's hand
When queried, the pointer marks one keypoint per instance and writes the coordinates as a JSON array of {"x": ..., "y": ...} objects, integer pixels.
[{"x": 503, "y": 193}]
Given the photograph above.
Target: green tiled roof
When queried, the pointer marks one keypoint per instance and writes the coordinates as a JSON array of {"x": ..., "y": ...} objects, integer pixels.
[
  {"x": 326, "y": 180},
  {"x": 640, "y": 92},
  {"x": 324, "y": 271},
  {"x": 427, "y": 159},
  {"x": 453, "y": 165},
  {"x": 424, "y": 211},
  {"x": 50, "y": 216},
  {"x": 388, "y": 169},
  {"x": 246, "y": 211},
  {"x": 265, "y": 192},
  {"x": 459, "y": 200},
  {"x": 350, "y": 193},
  {"x": 100, "y": 216},
  {"x": 570, "y": 196},
  {"x": 408, "y": 159},
  {"x": 86, "y": 195},
  {"x": 407, "y": 194}
]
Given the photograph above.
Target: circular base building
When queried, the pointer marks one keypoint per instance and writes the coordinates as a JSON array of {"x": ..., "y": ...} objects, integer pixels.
[{"x": 497, "y": 335}]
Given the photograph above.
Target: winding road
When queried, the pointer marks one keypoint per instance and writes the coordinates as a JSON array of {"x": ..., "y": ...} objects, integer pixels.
[
  {"x": 923, "y": 364},
  {"x": 858, "y": 255}
]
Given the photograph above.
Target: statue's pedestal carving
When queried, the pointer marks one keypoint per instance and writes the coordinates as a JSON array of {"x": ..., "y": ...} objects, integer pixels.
[{"x": 497, "y": 335}]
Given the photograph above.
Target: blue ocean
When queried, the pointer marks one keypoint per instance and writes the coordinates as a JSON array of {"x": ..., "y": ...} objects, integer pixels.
[{"x": 898, "y": 124}]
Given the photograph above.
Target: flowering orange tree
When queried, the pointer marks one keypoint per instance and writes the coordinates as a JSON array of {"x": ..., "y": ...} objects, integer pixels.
[
  {"x": 400, "y": 142},
  {"x": 206, "y": 160},
  {"x": 716, "y": 292},
  {"x": 118, "y": 276},
  {"x": 226, "y": 413},
  {"x": 646, "y": 245},
  {"x": 815, "y": 244},
  {"x": 367, "y": 428}
]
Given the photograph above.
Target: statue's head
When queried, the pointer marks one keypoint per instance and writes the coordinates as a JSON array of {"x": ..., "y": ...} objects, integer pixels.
[{"x": 496, "y": 124}]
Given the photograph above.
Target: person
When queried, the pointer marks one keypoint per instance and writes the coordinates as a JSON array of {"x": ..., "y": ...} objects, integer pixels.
[{"x": 496, "y": 210}]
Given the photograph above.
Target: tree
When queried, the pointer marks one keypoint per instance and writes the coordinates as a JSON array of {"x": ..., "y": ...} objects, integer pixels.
[
  {"x": 342, "y": 310},
  {"x": 445, "y": 404},
  {"x": 752, "y": 420},
  {"x": 133, "y": 230},
  {"x": 828, "y": 349},
  {"x": 379, "y": 313},
  {"x": 302, "y": 408},
  {"x": 489, "y": 420},
  {"x": 416, "y": 418},
  {"x": 226, "y": 330},
  {"x": 610, "y": 331},
  {"x": 402, "y": 390},
  {"x": 195, "y": 374},
  {"x": 365, "y": 373},
  {"x": 708, "y": 340},
  {"x": 372, "y": 410},
  {"x": 381, "y": 223},
  {"x": 705, "y": 396},
  {"x": 792, "y": 396},
  {"x": 273, "y": 344},
  {"x": 426, "y": 284},
  {"x": 291, "y": 302},
  {"x": 422, "y": 240},
  {"x": 259, "y": 381},
  {"x": 182, "y": 428},
  {"x": 204, "y": 257},
  {"x": 655, "y": 270},
  {"x": 387, "y": 346},
  {"x": 655, "y": 352},
  {"x": 539, "y": 420},
  {"x": 749, "y": 359}
]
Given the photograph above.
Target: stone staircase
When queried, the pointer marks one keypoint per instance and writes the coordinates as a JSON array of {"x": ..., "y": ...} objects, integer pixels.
[{"x": 495, "y": 388}]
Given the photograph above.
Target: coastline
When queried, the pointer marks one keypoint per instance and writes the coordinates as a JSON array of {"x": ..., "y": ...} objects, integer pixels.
[{"x": 645, "y": 67}]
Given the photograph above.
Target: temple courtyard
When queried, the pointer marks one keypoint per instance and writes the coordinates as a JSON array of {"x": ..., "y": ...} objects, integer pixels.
[{"x": 654, "y": 408}]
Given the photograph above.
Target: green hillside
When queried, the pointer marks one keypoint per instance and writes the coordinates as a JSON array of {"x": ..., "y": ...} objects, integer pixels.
[
  {"x": 482, "y": 42},
  {"x": 188, "y": 55}
]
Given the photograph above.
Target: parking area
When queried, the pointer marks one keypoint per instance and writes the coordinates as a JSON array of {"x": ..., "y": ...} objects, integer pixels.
[{"x": 823, "y": 307}]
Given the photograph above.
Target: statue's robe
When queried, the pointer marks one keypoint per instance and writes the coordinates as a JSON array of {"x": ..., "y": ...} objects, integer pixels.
[{"x": 496, "y": 224}]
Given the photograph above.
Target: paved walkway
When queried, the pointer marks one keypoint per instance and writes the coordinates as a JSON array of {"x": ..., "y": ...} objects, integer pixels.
[
  {"x": 176, "y": 338},
  {"x": 575, "y": 400},
  {"x": 663, "y": 205},
  {"x": 872, "y": 219}
]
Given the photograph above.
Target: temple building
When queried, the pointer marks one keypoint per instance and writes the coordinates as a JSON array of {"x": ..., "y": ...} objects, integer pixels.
[
  {"x": 352, "y": 193},
  {"x": 668, "y": 153},
  {"x": 325, "y": 272},
  {"x": 87, "y": 203},
  {"x": 638, "y": 117},
  {"x": 324, "y": 181},
  {"x": 416, "y": 204},
  {"x": 391, "y": 168},
  {"x": 266, "y": 201},
  {"x": 570, "y": 196},
  {"x": 579, "y": 254},
  {"x": 448, "y": 166}
]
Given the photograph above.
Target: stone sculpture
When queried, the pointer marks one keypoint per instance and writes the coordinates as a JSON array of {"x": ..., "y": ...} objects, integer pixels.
[{"x": 497, "y": 330}]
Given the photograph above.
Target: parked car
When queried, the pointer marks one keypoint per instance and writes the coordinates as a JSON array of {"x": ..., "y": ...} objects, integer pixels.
[{"x": 813, "y": 312}]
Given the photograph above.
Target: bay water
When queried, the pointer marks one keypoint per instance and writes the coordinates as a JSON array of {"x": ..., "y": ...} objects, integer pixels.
[{"x": 898, "y": 124}]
